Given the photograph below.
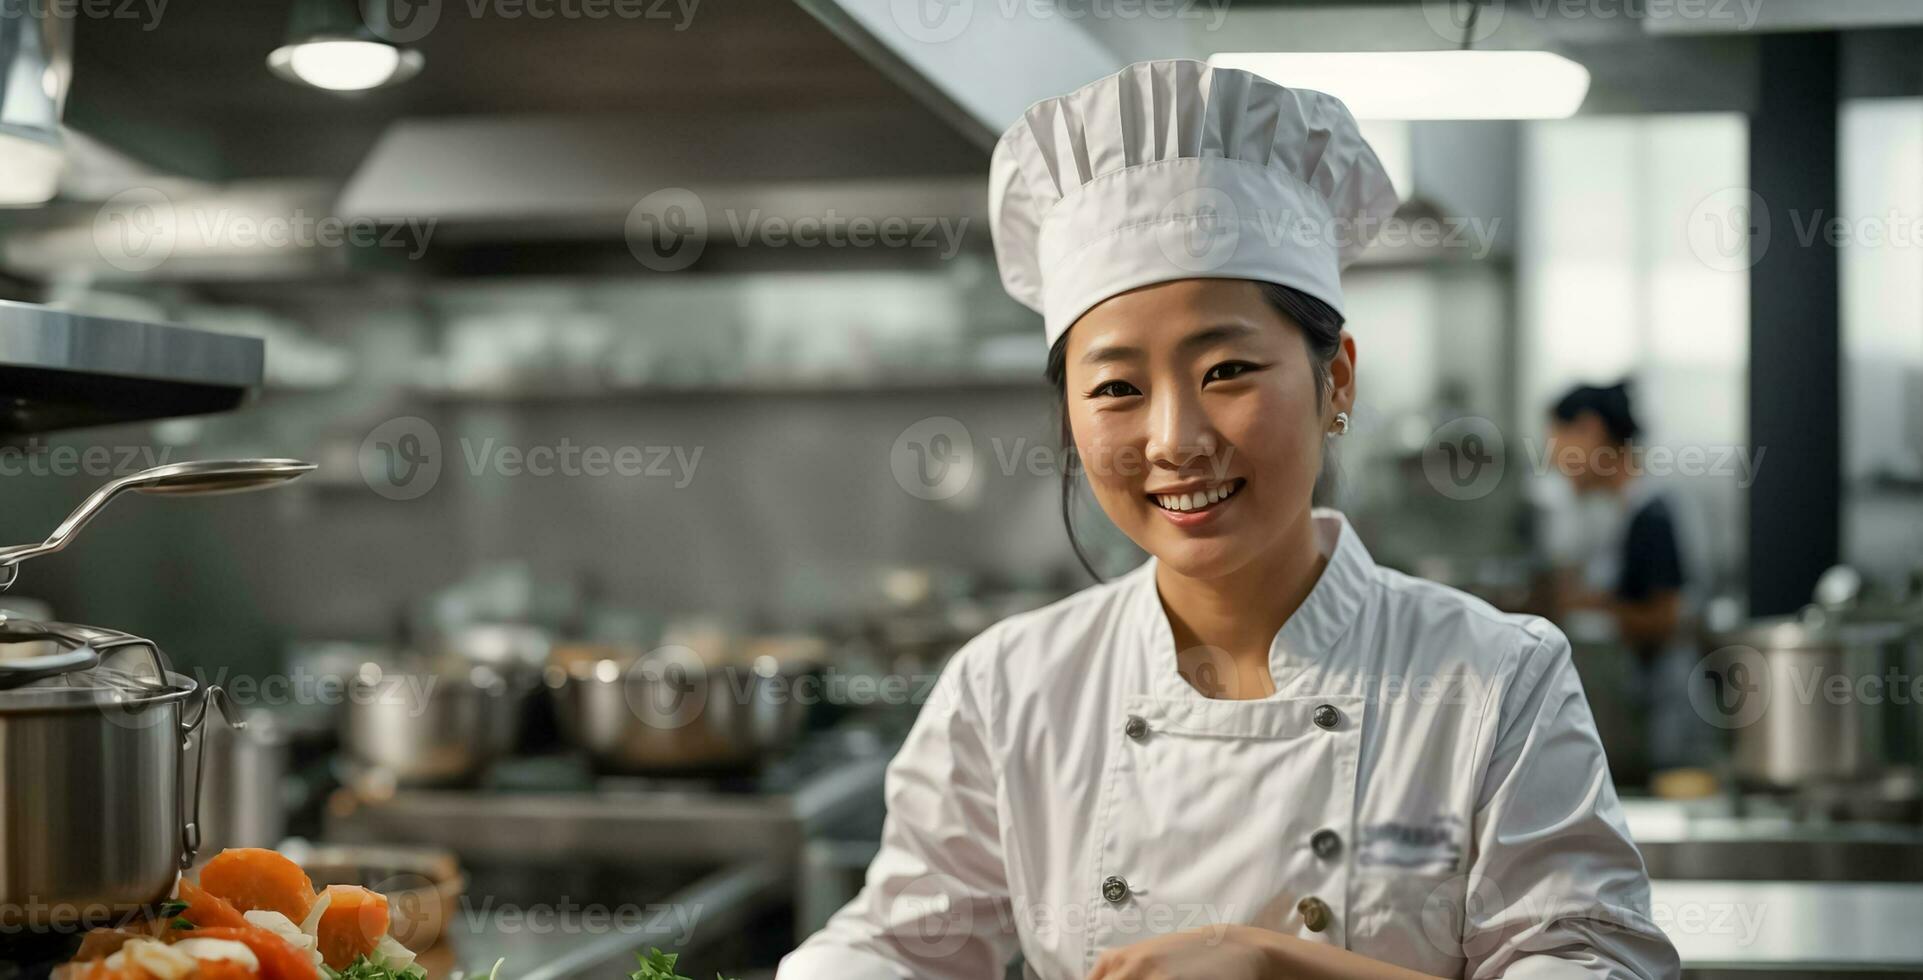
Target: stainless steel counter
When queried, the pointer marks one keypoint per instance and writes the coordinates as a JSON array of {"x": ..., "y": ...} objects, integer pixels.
[
  {"x": 1705, "y": 839},
  {"x": 594, "y": 943},
  {"x": 1792, "y": 928}
]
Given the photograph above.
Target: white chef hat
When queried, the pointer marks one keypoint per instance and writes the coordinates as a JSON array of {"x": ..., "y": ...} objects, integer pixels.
[{"x": 1176, "y": 170}]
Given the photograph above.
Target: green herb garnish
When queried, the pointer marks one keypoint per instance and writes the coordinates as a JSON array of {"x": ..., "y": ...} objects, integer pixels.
[
  {"x": 367, "y": 968},
  {"x": 656, "y": 965},
  {"x": 172, "y": 908},
  {"x": 181, "y": 924}
]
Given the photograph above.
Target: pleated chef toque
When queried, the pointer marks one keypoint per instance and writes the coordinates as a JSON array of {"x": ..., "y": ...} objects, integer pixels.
[{"x": 1175, "y": 170}]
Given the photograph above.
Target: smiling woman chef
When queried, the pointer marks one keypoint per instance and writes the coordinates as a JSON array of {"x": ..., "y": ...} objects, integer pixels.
[{"x": 1259, "y": 755}]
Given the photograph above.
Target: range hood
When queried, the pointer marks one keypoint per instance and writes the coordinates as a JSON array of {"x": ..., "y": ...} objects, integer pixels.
[{"x": 62, "y": 370}]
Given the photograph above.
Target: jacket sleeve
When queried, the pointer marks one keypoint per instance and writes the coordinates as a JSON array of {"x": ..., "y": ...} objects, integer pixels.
[
  {"x": 1556, "y": 887},
  {"x": 935, "y": 905}
]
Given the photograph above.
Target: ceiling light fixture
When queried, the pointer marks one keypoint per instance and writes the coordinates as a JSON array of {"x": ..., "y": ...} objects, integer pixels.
[
  {"x": 1411, "y": 85},
  {"x": 330, "y": 46},
  {"x": 1429, "y": 84}
]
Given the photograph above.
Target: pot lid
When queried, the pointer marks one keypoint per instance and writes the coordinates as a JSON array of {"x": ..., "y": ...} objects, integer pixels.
[{"x": 59, "y": 665}]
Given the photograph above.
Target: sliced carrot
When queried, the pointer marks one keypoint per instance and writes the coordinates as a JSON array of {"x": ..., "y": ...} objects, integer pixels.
[
  {"x": 279, "y": 960},
  {"x": 222, "y": 970},
  {"x": 254, "y": 878},
  {"x": 353, "y": 924},
  {"x": 207, "y": 910}
]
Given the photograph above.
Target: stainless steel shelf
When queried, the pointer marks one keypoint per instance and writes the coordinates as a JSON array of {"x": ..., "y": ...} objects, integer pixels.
[{"x": 61, "y": 370}]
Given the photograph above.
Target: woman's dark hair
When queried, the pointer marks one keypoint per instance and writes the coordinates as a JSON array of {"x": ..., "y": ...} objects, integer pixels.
[
  {"x": 1611, "y": 404},
  {"x": 1321, "y": 332}
]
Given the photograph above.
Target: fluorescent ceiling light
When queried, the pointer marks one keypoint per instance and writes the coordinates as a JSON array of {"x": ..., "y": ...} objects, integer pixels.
[
  {"x": 344, "y": 64},
  {"x": 1428, "y": 84}
]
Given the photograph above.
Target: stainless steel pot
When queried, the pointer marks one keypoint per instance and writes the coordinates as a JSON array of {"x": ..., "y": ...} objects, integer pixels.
[
  {"x": 100, "y": 814},
  {"x": 244, "y": 802},
  {"x": 1806, "y": 698},
  {"x": 427, "y": 723},
  {"x": 97, "y": 817},
  {"x": 673, "y": 710}
]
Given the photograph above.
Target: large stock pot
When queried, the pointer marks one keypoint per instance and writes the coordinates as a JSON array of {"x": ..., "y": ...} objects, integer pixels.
[{"x": 100, "y": 814}]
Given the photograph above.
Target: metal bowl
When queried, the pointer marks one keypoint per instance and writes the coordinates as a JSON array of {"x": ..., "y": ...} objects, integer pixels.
[{"x": 423, "y": 886}]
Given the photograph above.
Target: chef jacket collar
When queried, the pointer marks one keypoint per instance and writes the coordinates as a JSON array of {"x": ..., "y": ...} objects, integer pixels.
[{"x": 1311, "y": 632}]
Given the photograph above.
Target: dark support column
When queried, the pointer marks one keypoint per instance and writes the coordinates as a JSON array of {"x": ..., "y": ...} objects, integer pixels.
[{"x": 1795, "y": 357}]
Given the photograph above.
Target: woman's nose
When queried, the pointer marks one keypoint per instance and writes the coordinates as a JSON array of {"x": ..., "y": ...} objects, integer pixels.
[{"x": 1179, "y": 432}]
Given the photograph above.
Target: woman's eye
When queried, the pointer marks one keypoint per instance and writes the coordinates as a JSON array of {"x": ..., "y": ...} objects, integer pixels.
[
  {"x": 1113, "y": 389},
  {"x": 1228, "y": 370}
]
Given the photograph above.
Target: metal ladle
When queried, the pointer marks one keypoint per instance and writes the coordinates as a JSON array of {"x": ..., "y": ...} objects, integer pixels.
[{"x": 174, "y": 479}]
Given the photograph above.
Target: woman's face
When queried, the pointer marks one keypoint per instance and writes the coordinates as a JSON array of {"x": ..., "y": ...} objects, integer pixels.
[
  {"x": 1193, "y": 406},
  {"x": 1578, "y": 447}
]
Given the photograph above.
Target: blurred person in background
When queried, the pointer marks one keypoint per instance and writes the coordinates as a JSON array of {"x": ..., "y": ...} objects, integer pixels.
[{"x": 1636, "y": 572}]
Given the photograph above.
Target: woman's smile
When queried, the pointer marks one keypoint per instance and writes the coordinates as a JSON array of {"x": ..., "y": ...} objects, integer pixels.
[{"x": 1193, "y": 505}]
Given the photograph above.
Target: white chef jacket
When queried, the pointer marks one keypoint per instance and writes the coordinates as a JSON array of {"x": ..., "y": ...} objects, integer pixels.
[{"x": 1425, "y": 787}]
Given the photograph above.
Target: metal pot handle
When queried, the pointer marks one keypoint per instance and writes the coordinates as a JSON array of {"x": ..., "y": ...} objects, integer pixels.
[{"x": 213, "y": 697}]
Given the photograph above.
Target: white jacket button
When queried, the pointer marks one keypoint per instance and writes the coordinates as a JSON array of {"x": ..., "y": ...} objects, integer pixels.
[
  {"x": 1326, "y": 716},
  {"x": 1325, "y": 843},
  {"x": 1136, "y": 727},
  {"x": 1114, "y": 889},
  {"x": 1315, "y": 913}
]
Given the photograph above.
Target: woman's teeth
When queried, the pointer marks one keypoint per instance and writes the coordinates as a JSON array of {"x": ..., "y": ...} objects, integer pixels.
[{"x": 1181, "y": 502}]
